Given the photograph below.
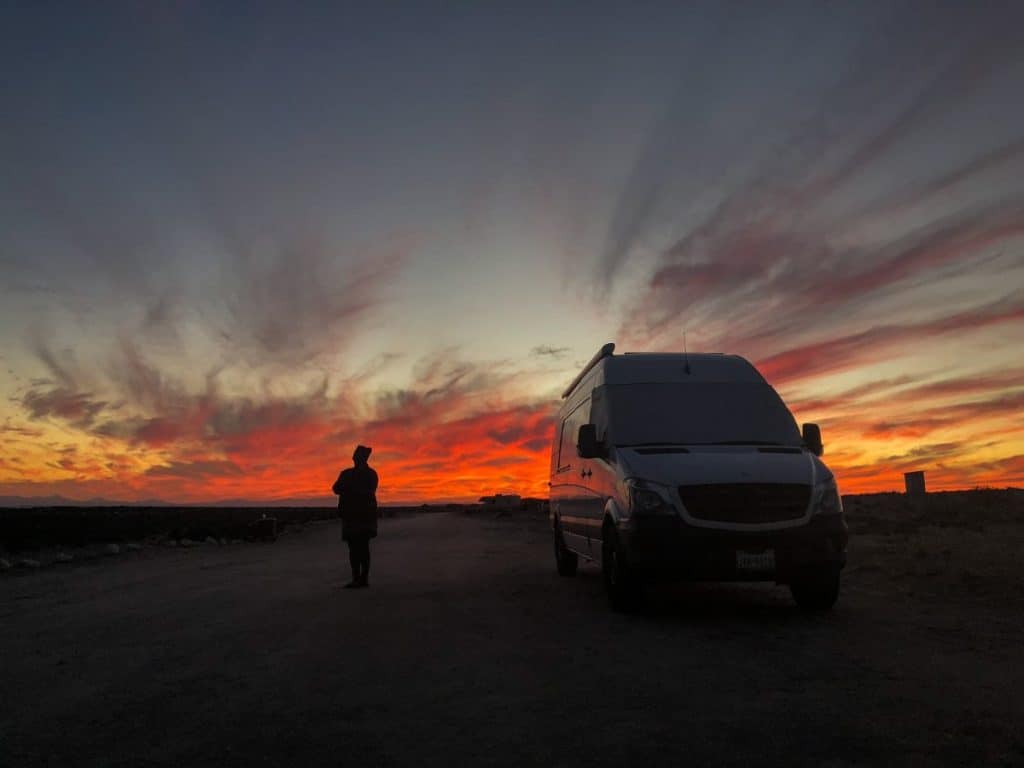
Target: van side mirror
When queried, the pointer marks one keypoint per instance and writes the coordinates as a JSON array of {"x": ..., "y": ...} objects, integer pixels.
[
  {"x": 812, "y": 439},
  {"x": 587, "y": 445}
]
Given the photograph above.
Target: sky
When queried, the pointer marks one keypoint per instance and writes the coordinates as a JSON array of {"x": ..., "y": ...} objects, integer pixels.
[{"x": 238, "y": 239}]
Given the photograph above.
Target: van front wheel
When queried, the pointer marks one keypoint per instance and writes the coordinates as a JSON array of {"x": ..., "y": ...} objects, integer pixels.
[
  {"x": 565, "y": 561},
  {"x": 620, "y": 582}
]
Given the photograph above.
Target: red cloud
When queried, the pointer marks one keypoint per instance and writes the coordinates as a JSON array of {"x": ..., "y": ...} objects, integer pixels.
[
  {"x": 453, "y": 435},
  {"x": 852, "y": 350},
  {"x": 450, "y": 435}
]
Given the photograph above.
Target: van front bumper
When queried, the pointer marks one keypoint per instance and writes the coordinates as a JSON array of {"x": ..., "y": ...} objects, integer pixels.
[{"x": 668, "y": 548}]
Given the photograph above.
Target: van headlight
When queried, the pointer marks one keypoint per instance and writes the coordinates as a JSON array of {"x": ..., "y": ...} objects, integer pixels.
[
  {"x": 646, "y": 498},
  {"x": 827, "y": 500}
]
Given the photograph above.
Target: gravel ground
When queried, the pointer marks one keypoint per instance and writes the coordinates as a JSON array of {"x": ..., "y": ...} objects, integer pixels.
[{"x": 469, "y": 650}]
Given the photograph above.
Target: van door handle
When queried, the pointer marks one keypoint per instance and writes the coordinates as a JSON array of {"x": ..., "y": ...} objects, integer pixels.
[{"x": 585, "y": 473}]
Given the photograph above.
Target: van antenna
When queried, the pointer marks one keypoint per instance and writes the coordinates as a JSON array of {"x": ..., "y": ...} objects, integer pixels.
[{"x": 686, "y": 356}]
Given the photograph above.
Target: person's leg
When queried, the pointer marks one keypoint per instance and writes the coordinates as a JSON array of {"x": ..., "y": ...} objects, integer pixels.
[
  {"x": 366, "y": 561},
  {"x": 360, "y": 550},
  {"x": 354, "y": 560}
]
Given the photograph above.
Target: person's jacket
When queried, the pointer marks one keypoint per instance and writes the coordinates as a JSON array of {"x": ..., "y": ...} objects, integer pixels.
[{"x": 357, "y": 501}]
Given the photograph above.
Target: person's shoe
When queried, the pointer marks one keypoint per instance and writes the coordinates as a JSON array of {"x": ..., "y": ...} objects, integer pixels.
[
  {"x": 363, "y": 584},
  {"x": 352, "y": 585}
]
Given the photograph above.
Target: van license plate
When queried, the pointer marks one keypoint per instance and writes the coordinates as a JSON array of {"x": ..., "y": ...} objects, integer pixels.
[{"x": 756, "y": 561}]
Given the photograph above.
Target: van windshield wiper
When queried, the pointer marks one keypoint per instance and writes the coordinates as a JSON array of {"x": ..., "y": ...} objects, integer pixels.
[
  {"x": 742, "y": 442},
  {"x": 661, "y": 444},
  {"x": 649, "y": 445}
]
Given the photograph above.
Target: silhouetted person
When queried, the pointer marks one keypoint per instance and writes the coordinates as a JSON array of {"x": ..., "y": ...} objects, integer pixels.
[{"x": 357, "y": 504}]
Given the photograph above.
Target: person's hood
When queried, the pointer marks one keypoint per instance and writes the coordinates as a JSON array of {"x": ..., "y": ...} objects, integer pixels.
[{"x": 715, "y": 464}]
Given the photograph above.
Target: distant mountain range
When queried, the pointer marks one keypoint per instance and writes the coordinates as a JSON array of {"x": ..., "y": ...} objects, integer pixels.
[{"x": 60, "y": 501}]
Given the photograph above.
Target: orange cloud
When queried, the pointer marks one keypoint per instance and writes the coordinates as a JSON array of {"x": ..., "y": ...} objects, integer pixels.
[{"x": 457, "y": 431}]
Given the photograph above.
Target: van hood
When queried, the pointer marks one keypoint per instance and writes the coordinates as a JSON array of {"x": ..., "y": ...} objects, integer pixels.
[{"x": 716, "y": 464}]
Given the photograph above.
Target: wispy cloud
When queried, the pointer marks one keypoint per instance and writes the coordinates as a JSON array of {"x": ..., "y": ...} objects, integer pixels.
[
  {"x": 851, "y": 350},
  {"x": 77, "y": 408},
  {"x": 455, "y": 431},
  {"x": 545, "y": 350},
  {"x": 803, "y": 235},
  {"x": 295, "y": 302},
  {"x": 195, "y": 470}
]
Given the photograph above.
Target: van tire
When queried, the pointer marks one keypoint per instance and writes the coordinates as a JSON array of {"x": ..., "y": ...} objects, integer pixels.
[
  {"x": 816, "y": 590},
  {"x": 566, "y": 561},
  {"x": 621, "y": 585}
]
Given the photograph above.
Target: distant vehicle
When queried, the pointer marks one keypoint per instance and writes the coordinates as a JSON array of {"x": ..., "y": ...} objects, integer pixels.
[{"x": 676, "y": 466}]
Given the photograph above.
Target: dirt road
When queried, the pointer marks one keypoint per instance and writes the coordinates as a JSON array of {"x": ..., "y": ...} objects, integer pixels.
[{"x": 468, "y": 650}]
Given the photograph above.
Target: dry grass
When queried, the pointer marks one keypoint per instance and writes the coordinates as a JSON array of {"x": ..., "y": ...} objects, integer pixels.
[{"x": 961, "y": 543}]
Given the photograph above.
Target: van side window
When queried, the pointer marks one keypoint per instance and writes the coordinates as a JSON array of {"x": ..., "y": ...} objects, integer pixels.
[
  {"x": 564, "y": 456},
  {"x": 570, "y": 429}
]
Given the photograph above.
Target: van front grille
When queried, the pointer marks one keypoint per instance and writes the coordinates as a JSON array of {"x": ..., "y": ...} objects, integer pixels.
[{"x": 746, "y": 502}]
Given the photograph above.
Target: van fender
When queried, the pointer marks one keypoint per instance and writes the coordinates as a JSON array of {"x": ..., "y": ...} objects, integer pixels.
[
  {"x": 554, "y": 517},
  {"x": 612, "y": 515}
]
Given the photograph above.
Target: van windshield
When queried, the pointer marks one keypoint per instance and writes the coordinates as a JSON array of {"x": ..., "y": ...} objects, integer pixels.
[{"x": 709, "y": 413}]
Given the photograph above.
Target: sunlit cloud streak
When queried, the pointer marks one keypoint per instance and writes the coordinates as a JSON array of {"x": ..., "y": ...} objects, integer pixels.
[
  {"x": 845, "y": 352},
  {"x": 1003, "y": 406},
  {"x": 904, "y": 390}
]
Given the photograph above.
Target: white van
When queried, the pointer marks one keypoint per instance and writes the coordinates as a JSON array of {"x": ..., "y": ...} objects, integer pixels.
[{"x": 691, "y": 467}]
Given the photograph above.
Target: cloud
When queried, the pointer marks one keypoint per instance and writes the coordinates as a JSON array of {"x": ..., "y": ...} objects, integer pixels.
[
  {"x": 851, "y": 397},
  {"x": 20, "y": 431},
  {"x": 65, "y": 394},
  {"x": 456, "y": 430},
  {"x": 79, "y": 409},
  {"x": 545, "y": 350},
  {"x": 893, "y": 83},
  {"x": 1007, "y": 155},
  {"x": 459, "y": 430},
  {"x": 275, "y": 291},
  {"x": 755, "y": 284},
  {"x": 906, "y": 396},
  {"x": 849, "y": 351},
  {"x": 981, "y": 382},
  {"x": 959, "y": 415},
  {"x": 1002, "y": 472},
  {"x": 924, "y": 455},
  {"x": 294, "y": 301},
  {"x": 194, "y": 470}
]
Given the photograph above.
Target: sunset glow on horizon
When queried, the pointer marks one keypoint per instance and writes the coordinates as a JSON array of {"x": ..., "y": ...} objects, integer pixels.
[{"x": 234, "y": 248}]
